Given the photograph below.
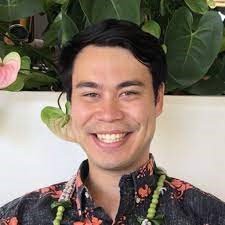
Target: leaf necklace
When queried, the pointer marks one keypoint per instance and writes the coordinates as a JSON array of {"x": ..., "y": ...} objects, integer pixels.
[{"x": 152, "y": 218}]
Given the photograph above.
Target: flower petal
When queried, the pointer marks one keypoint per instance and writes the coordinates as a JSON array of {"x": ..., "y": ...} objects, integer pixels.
[{"x": 8, "y": 73}]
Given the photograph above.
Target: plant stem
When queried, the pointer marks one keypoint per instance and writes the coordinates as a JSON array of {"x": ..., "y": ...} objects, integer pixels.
[{"x": 58, "y": 100}]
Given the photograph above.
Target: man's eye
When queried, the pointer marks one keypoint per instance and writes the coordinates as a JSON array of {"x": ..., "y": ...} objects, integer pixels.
[
  {"x": 92, "y": 94},
  {"x": 127, "y": 93}
]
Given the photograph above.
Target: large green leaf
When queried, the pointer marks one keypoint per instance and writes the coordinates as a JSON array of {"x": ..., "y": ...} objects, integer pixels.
[
  {"x": 58, "y": 122},
  {"x": 213, "y": 83},
  {"x": 18, "y": 85},
  {"x": 153, "y": 28},
  {"x": 97, "y": 10},
  {"x": 50, "y": 113},
  {"x": 15, "y": 9},
  {"x": 212, "y": 86},
  {"x": 190, "y": 54},
  {"x": 197, "y": 6},
  {"x": 222, "y": 49},
  {"x": 69, "y": 28},
  {"x": 172, "y": 85},
  {"x": 25, "y": 65},
  {"x": 61, "y": 30},
  {"x": 75, "y": 12},
  {"x": 2, "y": 49},
  {"x": 37, "y": 80},
  {"x": 51, "y": 36}
]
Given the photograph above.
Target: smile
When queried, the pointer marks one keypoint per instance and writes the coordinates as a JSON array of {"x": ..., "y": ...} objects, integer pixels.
[{"x": 111, "y": 138}]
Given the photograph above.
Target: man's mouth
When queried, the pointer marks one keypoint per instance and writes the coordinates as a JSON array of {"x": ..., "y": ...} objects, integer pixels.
[{"x": 111, "y": 138}]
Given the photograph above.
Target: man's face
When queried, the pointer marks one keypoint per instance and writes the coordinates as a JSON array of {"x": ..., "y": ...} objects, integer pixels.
[{"x": 113, "y": 108}]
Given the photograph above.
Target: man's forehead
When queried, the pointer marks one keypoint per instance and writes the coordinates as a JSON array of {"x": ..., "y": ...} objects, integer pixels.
[
  {"x": 108, "y": 64},
  {"x": 106, "y": 55}
]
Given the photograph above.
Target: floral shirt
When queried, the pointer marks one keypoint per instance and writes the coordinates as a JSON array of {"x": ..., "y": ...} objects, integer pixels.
[{"x": 180, "y": 203}]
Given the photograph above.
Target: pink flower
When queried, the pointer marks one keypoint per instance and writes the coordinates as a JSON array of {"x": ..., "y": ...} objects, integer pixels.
[{"x": 9, "y": 68}]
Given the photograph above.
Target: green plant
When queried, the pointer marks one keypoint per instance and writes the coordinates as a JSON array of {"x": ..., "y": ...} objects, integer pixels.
[
  {"x": 194, "y": 36},
  {"x": 191, "y": 33}
]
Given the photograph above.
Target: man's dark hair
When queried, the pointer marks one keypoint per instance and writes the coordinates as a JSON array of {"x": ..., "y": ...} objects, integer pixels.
[{"x": 115, "y": 33}]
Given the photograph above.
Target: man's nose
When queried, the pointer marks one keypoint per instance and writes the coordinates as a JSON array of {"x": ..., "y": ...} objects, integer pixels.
[{"x": 109, "y": 111}]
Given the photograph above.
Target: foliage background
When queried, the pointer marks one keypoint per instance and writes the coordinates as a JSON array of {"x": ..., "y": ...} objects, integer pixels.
[{"x": 191, "y": 33}]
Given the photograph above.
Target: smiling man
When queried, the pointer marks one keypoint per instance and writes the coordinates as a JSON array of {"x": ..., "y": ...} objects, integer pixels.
[
  {"x": 114, "y": 76},
  {"x": 111, "y": 90}
]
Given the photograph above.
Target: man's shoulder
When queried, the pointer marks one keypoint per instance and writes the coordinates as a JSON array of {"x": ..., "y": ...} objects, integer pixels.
[
  {"x": 194, "y": 201},
  {"x": 38, "y": 200},
  {"x": 181, "y": 189}
]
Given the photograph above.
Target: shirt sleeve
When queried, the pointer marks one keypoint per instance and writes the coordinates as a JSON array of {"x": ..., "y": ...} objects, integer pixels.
[
  {"x": 9, "y": 212},
  {"x": 208, "y": 209}
]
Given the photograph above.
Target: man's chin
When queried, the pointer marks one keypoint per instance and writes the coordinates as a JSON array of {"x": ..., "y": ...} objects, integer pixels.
[{"x": 121, "y": 164}]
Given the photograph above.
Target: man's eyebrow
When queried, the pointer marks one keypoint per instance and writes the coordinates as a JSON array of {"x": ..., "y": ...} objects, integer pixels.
[
  {"x": 87, "y": 84},
  {"x": 129, "y": 83}
]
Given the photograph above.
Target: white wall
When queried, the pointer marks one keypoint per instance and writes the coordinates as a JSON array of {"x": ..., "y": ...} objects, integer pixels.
[{"x": 189, "y": 143}]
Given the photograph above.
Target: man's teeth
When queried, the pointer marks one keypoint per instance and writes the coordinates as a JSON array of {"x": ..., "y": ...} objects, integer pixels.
[{"x": 110, "y": 138}]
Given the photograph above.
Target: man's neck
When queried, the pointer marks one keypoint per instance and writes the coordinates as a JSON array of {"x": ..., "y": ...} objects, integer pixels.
[
  {"x": 103, "y": 185},
  {"x": 104, "y": 188}
]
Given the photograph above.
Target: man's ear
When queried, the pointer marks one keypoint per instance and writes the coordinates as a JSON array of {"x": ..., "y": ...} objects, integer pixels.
[{"x": 159, "y": 100}]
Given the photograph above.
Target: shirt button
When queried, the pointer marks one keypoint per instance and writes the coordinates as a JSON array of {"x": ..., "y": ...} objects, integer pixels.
[{"x": 138, "y": 200}]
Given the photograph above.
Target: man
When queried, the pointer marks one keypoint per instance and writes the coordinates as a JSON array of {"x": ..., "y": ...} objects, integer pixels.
[{"x": 114, "y": 75}]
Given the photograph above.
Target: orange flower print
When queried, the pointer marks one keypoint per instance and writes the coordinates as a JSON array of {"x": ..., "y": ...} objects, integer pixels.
[
  {"x": 85, "y": 222},
  {"x": 13, "y": 221},
  {"x": 180, "y": 187},
  {"x": 144, "y": 192},
  {"x": 9, "y": 221},
  {"x": 94, "y": 221},
  {"x": 78, "y": 223},
  {"x": 51, "y": 190},
  {"x": 147, "y": 169}
]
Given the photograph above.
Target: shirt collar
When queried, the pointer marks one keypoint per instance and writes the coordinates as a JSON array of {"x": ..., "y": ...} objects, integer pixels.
[{"x": 138, "y": 184}]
